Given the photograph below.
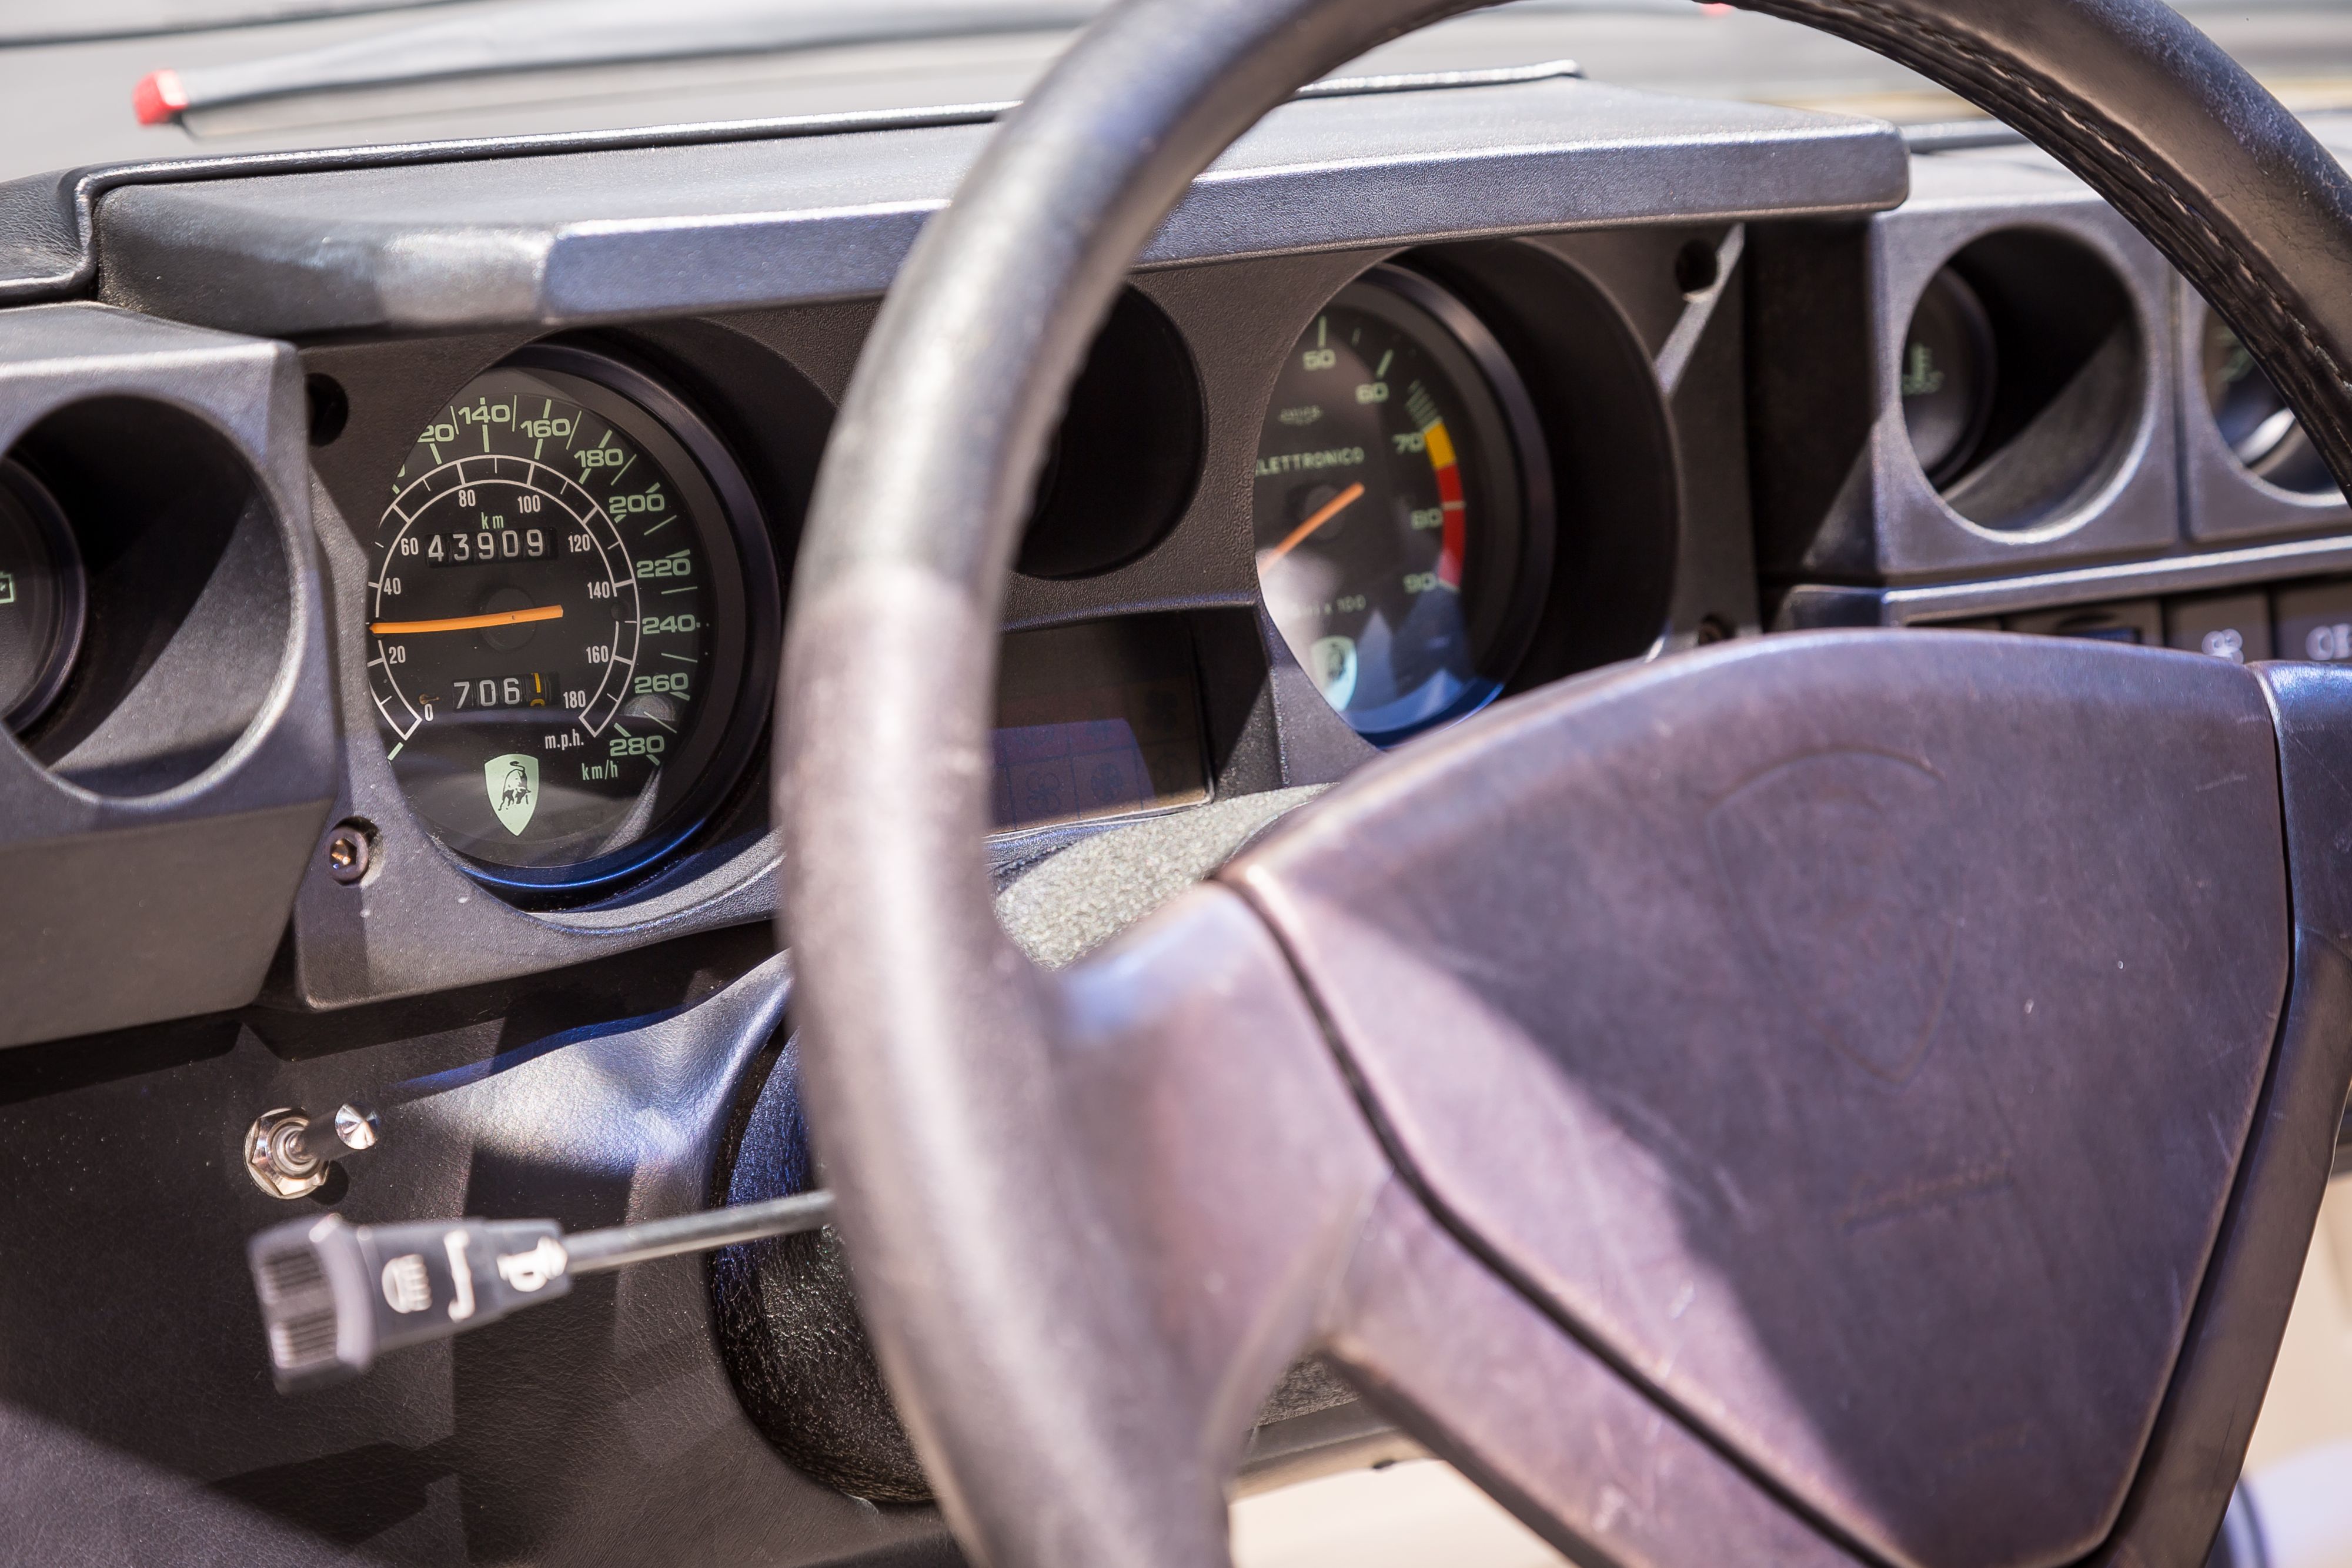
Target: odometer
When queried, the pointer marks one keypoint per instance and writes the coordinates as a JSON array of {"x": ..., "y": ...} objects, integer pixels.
[
  {"x": 562, "y": 613},
  {"x": 1401, "y": 508}
]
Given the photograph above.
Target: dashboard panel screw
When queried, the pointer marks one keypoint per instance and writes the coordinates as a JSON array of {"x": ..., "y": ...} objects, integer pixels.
[{"x": 351, "y": 852}]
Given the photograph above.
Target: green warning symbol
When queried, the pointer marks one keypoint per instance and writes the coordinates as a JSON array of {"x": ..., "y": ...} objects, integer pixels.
[{"x": 513, "y": 783}]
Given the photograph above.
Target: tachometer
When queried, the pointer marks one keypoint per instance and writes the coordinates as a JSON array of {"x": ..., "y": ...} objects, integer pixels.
[
  {"x": 571, "y": 608},
  {"x": 1403, "y": 508}
]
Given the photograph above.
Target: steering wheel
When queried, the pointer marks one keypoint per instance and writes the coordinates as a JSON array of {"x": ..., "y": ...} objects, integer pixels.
[{"x": 1855, "y": 1097}]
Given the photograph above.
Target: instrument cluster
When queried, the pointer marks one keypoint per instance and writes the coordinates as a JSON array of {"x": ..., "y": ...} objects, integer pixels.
[
  {"x": 498, "y": 642},
  {"x": 1297, "y": 513}
]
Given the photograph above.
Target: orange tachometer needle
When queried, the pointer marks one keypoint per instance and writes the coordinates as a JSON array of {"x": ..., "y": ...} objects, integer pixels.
[
  {"x": 1322, "y": 515},
  {"x": 466, "y": 623}
]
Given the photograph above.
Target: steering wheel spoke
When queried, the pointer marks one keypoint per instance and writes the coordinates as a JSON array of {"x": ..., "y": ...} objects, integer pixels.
[
  {"x": 1484, "y": 1377},
  {"x": 1230, "y": 1162}
]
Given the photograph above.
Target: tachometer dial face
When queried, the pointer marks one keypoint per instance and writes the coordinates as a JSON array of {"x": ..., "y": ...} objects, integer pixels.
[
  {"x": 558, "y": 624},
  {"x": 1402, "y": 509}
]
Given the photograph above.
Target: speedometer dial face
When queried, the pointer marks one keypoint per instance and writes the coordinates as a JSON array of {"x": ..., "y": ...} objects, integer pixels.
[
  {"x": 1402, "y": 509},
  {"x": 559, "y": 624}
]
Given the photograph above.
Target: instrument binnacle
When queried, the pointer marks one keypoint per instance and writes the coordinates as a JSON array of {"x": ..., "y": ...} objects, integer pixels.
[{"x": 566, "y": 591}]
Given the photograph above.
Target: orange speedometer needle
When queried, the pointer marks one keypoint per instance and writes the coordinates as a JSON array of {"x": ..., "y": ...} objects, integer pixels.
[
  {"x": 466, "y": 623},
  {"x": 1322, "y": 515}
]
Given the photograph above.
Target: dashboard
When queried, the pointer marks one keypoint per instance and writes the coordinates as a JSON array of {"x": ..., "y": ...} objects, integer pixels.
[
  {"x": 394, "y": 551},
  {"x": 533, "y": 434}
]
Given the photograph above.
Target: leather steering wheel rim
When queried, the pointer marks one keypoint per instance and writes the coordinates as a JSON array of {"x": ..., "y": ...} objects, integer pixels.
[{"x": 933, "y": 1050}]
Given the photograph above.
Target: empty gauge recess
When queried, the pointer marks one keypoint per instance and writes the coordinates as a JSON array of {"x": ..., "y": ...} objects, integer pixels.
[
  {"x": 2260, "y": 429},
  {"x": 1402, "y": 508},
  {"x": 572, "y": 623},
  {"x": 2023, "y": 379},
  {"x": 41, "y": 598}
]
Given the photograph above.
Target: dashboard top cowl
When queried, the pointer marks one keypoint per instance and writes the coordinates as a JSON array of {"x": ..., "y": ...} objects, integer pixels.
[{"x": 567, "y": 236}]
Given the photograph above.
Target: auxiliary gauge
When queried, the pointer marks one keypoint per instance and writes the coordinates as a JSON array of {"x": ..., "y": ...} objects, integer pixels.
[
  {"x": 571, "y": 621},
  {"x": 1404, "y": 507}
]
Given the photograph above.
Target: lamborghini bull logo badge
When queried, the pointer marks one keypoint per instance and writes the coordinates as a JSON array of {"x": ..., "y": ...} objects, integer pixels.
[{"x": 513, "y": 784}]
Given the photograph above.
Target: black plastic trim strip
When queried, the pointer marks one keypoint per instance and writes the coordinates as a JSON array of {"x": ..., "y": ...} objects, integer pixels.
[{"x": 1815, "y": 606}]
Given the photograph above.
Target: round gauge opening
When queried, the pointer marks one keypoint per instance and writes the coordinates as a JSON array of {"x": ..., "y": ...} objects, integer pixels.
[
  {"x": 1403, "y": 508},
  {"x": 41, "y": 598},
  {"x": 572, "y": 623},
  {"x": 2255, "y": 424},
  {"x": 1121, "y": 468},
  {"x": 2023, "y": 379},
  {"x": 1947, "y": 377}
]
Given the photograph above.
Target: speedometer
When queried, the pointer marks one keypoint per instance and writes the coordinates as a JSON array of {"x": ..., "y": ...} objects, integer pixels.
[
  {"x": 1403, "y": 508},
  {"x": 570, "y": 605}
]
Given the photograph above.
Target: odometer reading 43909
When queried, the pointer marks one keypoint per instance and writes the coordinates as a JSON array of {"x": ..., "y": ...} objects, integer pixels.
[{"x": 558, "y": 621}]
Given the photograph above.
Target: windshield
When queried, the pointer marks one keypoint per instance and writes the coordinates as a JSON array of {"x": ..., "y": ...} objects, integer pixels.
[
  {"x": 2302, "y": 49},
  {"x": 244, "y": 76}
]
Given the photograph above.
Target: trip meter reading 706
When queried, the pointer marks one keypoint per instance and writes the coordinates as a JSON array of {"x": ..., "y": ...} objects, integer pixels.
[{"x": 559, "y": 622}]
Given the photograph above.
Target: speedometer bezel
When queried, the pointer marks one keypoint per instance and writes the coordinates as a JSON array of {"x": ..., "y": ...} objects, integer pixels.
[{"x": 741, "y": 567}]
